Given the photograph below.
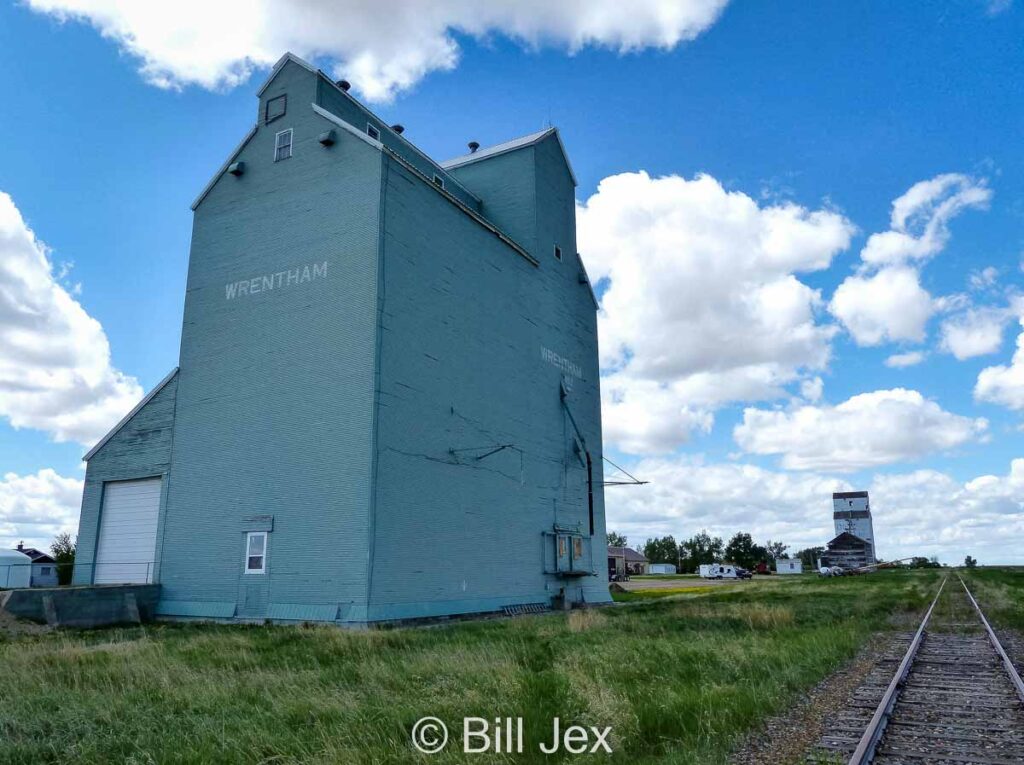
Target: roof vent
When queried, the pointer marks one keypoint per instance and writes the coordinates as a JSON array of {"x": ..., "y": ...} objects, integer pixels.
[
  {"x": 473, "y": 146},
  {"x": 398, "y": 129},
  {"x": 344, "y": 85}
]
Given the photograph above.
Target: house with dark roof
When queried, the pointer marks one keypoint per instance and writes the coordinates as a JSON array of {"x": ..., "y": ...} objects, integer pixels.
[
  {"x": 44, "y": 567},
  {"x": 625, "y": 560}
]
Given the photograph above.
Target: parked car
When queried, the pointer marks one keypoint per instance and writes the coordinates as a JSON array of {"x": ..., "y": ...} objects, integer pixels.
[{"x": 743, "y": 573}]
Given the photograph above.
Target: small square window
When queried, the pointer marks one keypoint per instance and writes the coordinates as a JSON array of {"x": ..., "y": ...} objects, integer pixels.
[
  {"x": 283, "y": 145},
  {"x": 372, "y": 132},
  {"x": 438, "y": 180},
  {"x": 558, "y": 252},
  {"x": 256, "y": 552},
  {"x": 276, "y": 107},
  {"x": 44, "y": 571}
]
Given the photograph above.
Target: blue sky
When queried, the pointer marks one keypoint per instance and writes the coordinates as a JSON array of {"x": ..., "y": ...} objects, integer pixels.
[{"x": 831, "y": 108}]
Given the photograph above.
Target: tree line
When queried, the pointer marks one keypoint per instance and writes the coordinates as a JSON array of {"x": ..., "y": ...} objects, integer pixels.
[{"x": 702, "y": 548}]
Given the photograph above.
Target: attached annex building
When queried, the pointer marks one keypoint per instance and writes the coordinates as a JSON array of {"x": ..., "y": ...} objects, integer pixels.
[
  {"x": 854, "y": 543},
  {"x": 382, "y": 356}
]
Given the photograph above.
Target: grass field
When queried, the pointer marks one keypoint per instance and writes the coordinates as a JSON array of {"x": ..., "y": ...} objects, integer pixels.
[
  {"x": 679, "y": 679},
  {"x": 1000, "y": 593}
]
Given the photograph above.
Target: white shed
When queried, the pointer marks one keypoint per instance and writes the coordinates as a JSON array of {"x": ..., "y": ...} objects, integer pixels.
[
  {"x": 15, "y": 570},
  {"x": 789, "y": 566},
  {"x": 661, "y": 568}
]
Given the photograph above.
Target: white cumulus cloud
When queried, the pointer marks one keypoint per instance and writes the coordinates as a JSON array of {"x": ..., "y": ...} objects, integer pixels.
[
  {"x": 686, "y": 495},
  {"x": 381, "y": 47},
  {"x": 903, "y": 360},
  {"x": 925, "y": 512},
  {"x": 884, "y": 301},
  {"x": 887, "y": 305},
  {"x": 33, "y": 508},
  {"x": 975, "y": 332},
  {"x": 1004, "y": 384},
  {"x": 55, "y": 369},
  {"x": 702, "y": 302},
  {"x": 866, "y": 430}
]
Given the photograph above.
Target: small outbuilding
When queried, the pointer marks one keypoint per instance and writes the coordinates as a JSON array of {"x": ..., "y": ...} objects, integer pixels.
[
  {"x": 661, "y": 568},
  {"x": 44, "y": 567},
  {"x": 789, "y": 566},
  {"x": 625, "y": 560},
  {"x": 15, "y": 570}
]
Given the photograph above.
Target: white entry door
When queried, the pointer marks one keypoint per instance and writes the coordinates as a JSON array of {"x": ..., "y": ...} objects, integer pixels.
[{"x": 126, "y": 547}]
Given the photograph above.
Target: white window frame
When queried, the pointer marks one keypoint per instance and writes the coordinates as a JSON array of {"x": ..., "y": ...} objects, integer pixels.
[
  {"x": 248, "y": 546},
  {"x": 438, "y": 181},
  {"x": 372, "y": 131},
  {"x": 558, "y": 253},
  {"x": 278, "y": 145}
]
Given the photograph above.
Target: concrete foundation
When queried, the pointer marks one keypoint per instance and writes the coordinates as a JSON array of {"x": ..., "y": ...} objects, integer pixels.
[{"x": 84, "y": 607}]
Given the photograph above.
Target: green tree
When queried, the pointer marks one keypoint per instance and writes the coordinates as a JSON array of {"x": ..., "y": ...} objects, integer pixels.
[
  {"x": 970, "y": 562},
  {"x": 63, "y": 551},
  {"x": 742, "y": 551},
  {"x": 662, "y": 550},
  {"x": 699, "y": 549},
  {"x": 776, "y": 550},
  {"x": 615, "y": 540},
  {"x": 810, "y": 556}
]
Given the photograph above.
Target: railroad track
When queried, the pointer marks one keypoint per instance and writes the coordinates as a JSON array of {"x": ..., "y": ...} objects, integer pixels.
[{"x": 953, "y": 697}]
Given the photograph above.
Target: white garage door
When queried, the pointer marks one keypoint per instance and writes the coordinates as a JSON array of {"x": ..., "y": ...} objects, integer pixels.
[{"x": 127, "y": 540}]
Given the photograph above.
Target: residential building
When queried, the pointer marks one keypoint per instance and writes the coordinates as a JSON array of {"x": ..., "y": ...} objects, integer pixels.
[
  {"x": 44, "y": 567},
  {"x": 625, "y": 560}
]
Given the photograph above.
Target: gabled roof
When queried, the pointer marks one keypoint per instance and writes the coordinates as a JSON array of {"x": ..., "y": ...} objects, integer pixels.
[
  {"x": 625, "y": 552},
  {"x": 221, "y": 170},
  {"x": 513, "y": 145},
  {"x": 145, "y": 400},
  {"x": 280, "y": 64},
  {"x": 846, "y": 536},
  {"x": 37, "y": 556}
]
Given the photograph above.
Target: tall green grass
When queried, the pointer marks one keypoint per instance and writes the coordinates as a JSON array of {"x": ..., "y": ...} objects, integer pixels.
[
  {"x": 1000, "y": 593},
  {"x": 679, "y": 680}
]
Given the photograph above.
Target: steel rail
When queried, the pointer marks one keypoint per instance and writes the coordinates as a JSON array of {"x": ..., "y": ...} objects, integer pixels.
[
  {"x": 1011, "y": 670},
  {"x": 865, "y": 750}
]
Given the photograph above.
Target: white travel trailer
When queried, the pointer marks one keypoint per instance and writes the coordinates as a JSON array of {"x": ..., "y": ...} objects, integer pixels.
[{"x": 718, "y": 571}]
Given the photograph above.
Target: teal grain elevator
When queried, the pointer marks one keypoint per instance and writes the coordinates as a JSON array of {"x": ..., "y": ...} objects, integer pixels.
[{"x": 387, "y": 401}]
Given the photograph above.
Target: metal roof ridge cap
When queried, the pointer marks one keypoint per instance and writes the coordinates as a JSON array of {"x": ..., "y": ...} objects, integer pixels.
[
  {"x": 530, "y": 139},
  {"x": 288, "y": 56},
  {"x": 398, "y": 135}
]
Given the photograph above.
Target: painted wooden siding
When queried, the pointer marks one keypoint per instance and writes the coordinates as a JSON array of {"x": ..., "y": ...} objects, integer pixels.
[
  {"x": 276, "y": 389},
  {"x": 465, "y": 323},
  {"x": 141, "y": 449},
  {"x": 351, "y": 111},
  {"x": 506, "y": 185}
]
